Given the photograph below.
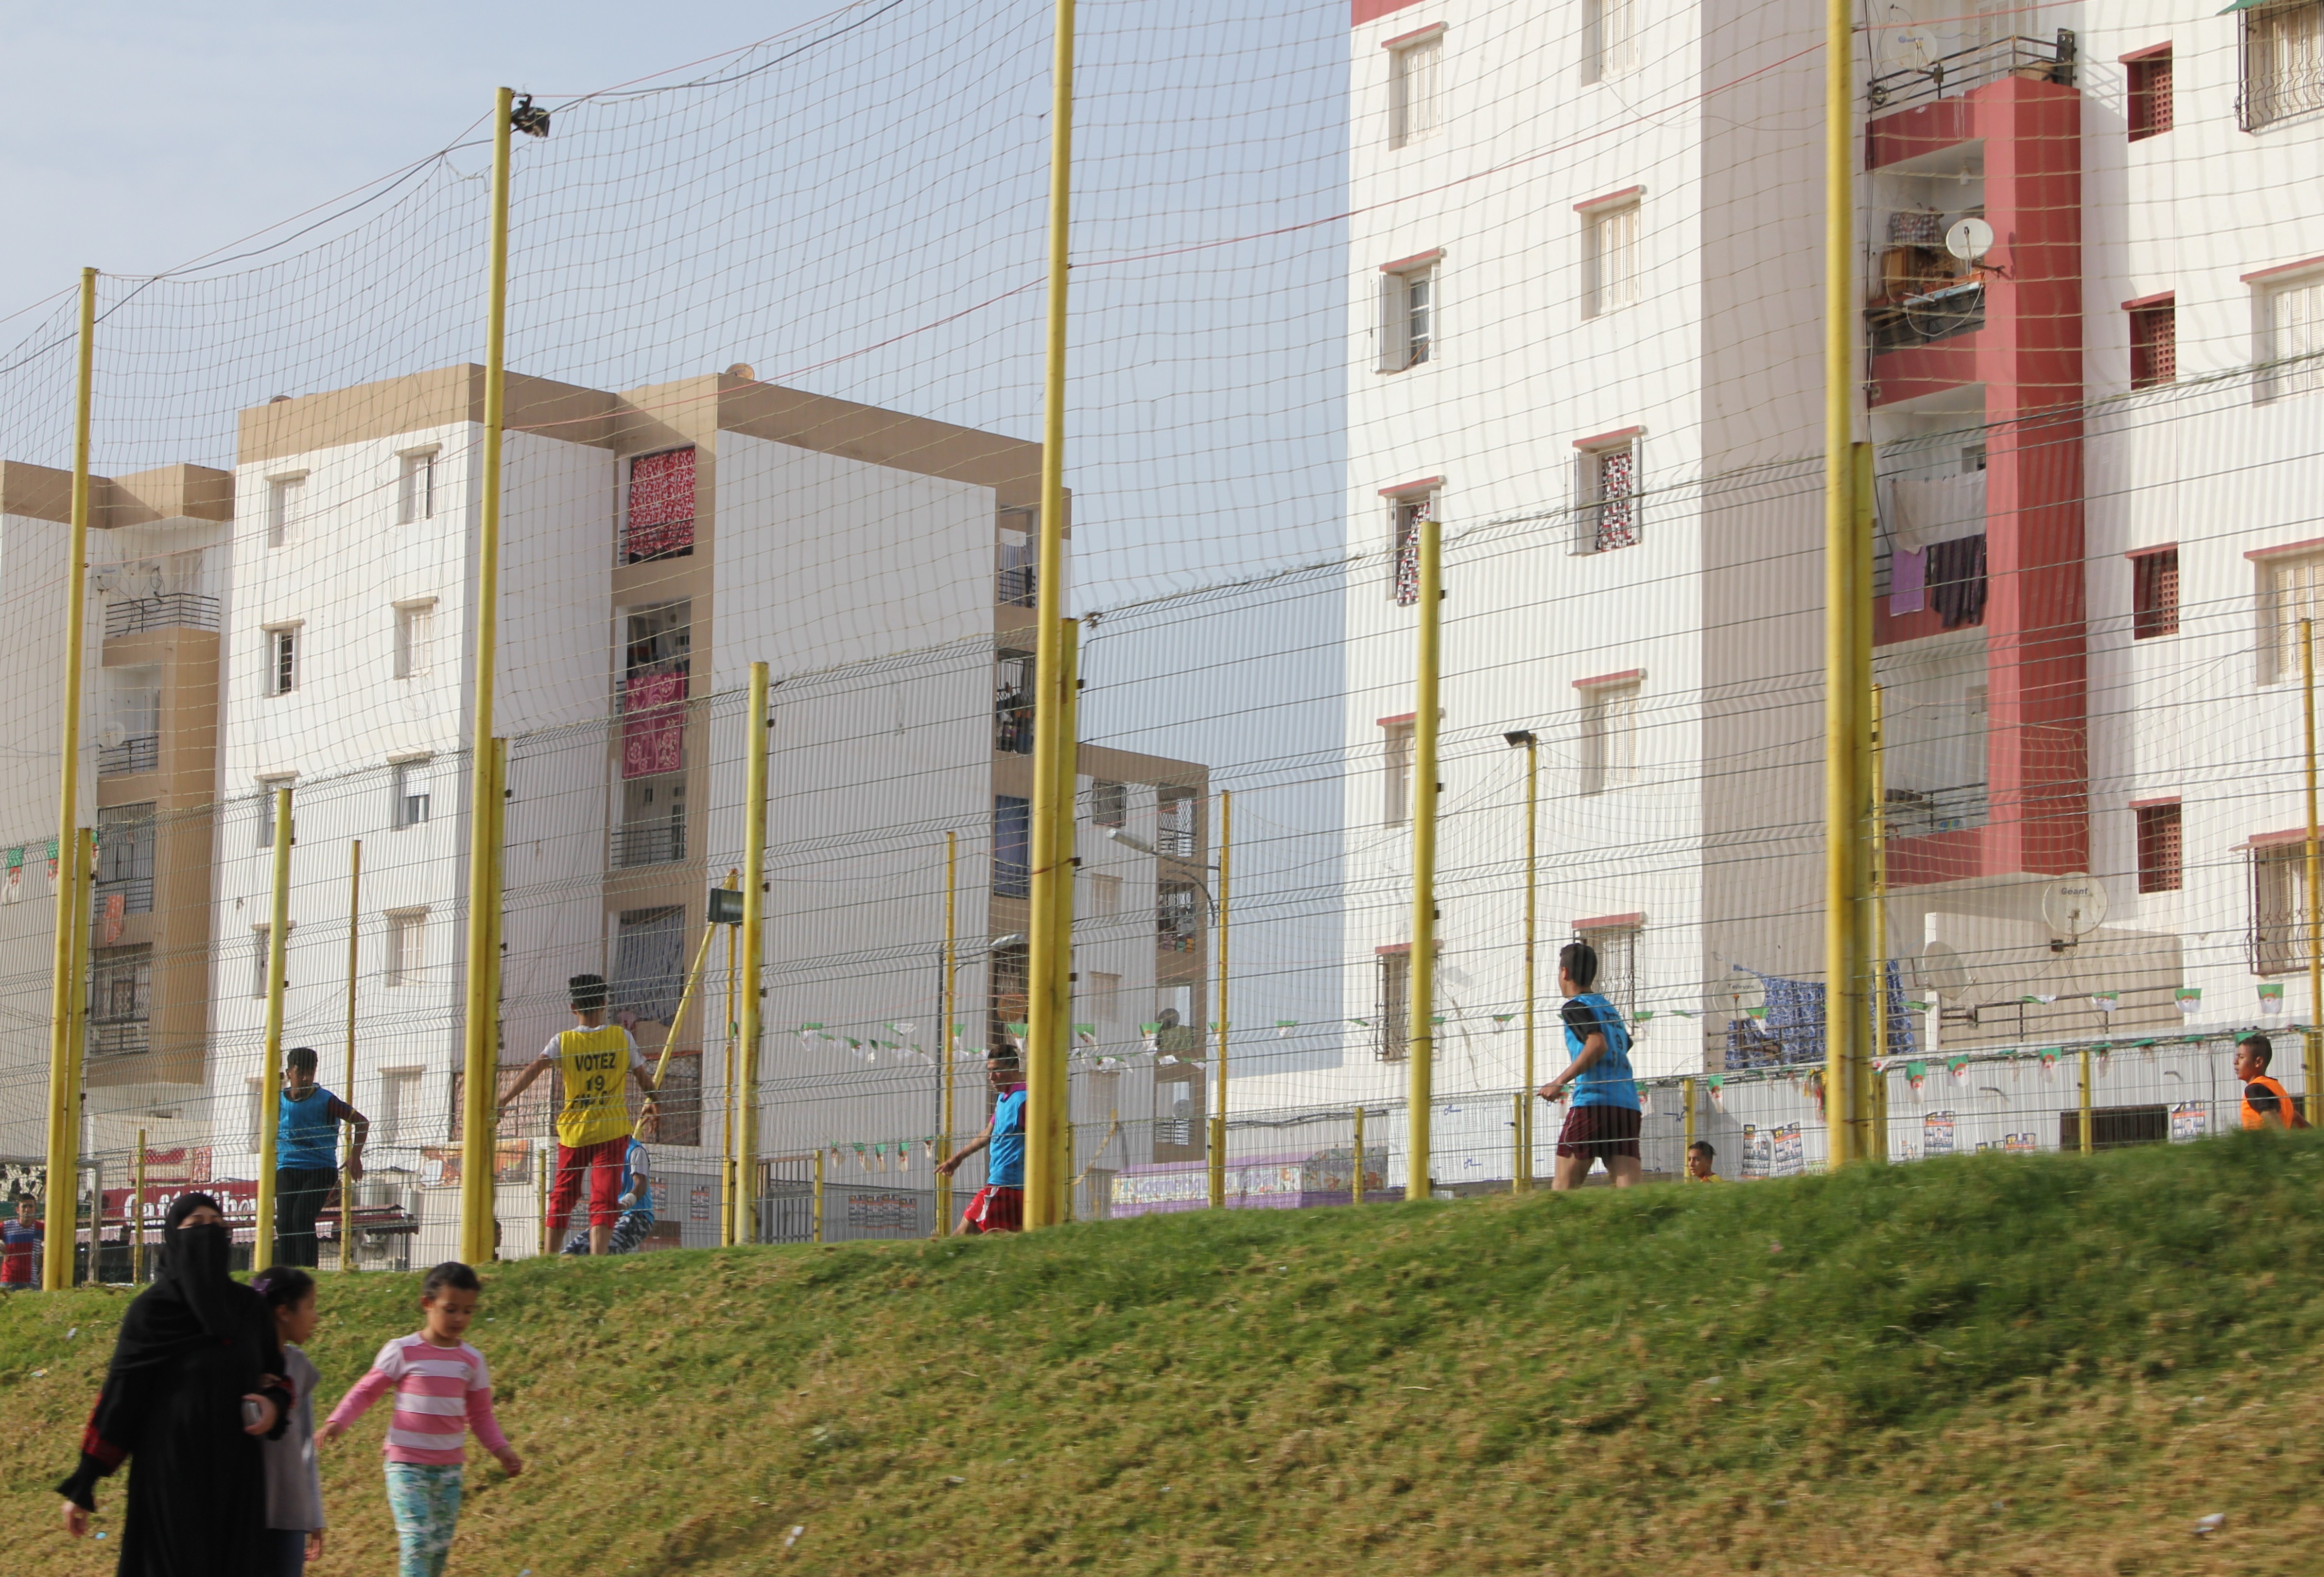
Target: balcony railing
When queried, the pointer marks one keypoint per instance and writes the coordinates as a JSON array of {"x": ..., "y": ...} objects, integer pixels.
[
  {"x": 142, "y": 754},
  {"x": 650, "y": 843},
  {"x": 1016, "y": 586},
  {"x": 173, "y": 610},
  {"x": 120, "y": 1037},
  {"x": 1924, "y": 813},
  {"x": 2049, "y": 61},
  {"x": 1922, "y": 320},
  {"x": 136, "y": 894},
  {"x": 2283, "y": 65}
]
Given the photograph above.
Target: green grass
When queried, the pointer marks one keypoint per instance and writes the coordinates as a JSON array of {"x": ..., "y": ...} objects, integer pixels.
[{"x": 1989, "y": 1364}]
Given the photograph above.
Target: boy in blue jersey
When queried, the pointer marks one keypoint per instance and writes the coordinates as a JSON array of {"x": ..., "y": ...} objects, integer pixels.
[
  {"x": 636, "y": 1200},
  {"x": 1000, "y": 1205},
  {"x": 1604, "y": 1122},
  {"x": 307, "y": 1155}
]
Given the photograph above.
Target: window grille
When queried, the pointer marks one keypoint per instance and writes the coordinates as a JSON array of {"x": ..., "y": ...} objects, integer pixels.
[
  {"x": 2158, "y": 849},
  {"x": 1403, "y": 572},
  {"x": 2149, "y": 108},
  {"x": 2154, "y": 607},
  {"x": 2279, "y": 908},
  {"x": 2284, "y": 64},
  {"x": 2153, "y": 346}
]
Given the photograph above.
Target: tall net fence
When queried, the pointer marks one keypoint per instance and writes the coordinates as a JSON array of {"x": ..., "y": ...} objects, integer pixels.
[{"x": 1539, "y": 281}]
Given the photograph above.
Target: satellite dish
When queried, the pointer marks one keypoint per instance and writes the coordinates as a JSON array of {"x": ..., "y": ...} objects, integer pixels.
[
  {"x": 1970, "y": 240},
  {"x": 1942, "y": 971},
  {"x": 2074, "y": 906},
  {"x": 112, "y": 735}
]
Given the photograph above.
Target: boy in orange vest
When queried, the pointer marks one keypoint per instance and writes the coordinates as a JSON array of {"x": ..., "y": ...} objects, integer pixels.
[
  {"x": 2266, "y": 1103},
  {"x": 592, "y": 1127}
]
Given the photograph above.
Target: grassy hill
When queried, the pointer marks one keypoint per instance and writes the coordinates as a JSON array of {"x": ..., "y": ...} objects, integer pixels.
[{"x": 1990, "y": 1364}]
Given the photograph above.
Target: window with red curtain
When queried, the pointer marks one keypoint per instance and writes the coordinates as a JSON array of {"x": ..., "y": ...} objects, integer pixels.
[
  {"x": 653, "y": 724},
  {"x": 2154, "y": 593},
  {"x": 2150, "y": 95},
  {"x": 2154, "y": 345},
  {"x": 2158, "y": 849},
  {"x": 660, "y": 522}
]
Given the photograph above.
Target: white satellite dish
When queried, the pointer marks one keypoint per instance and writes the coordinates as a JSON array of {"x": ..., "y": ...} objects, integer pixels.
[
  {"x": 1942, "y": 971},
  {"x": 2074, "y": 906},
  {"x": 112, "y": 735},
  {"x": 1970, "y": 240}
]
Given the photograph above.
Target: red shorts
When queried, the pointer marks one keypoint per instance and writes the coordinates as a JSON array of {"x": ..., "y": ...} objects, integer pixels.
[
  {"x": 602, "y": 1162},
  {"x": 1601, "y": 1132},
  {"x": 994, "y": 1209}
]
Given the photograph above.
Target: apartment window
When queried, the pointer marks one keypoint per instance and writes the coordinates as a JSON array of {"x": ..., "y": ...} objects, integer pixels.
[
  {"x": 120, "y": 1001},
  {"x": 415, "y": 637},
  {"x": 1408, "y": 314},
  {"x": 2147, "y": 76},
  {"x": 653, "y": 821},
  {"x": 266, "y": 787},
  {"x": 2292, "y": 337},
  {"x": 1013, "y": 702},
  {"x": 649, "y": 962},
  {"x": 1615, "y": 943},
  {"x": 415, "y": 487},
  {"x": 1611, "y": 231},
  {"x": 411, "y": 781},
  {"x": 261, "y": 943},
  {"x": 2291, "y": 589},
  {"x": 1109, "y": 803},
  {"x": 1395, "y": 775},
  {"x": 1414, "y": 68},
  {"x": 2154, "y": 593},
  {"x": 2158, "y": 848},
  {"x": 125, "y": 857},
  {"x": 1174, "y": 830},
  {"x": 659, "y": 523},
  {"x": 1104, "y": 895},
  {"x": 1392, "y": 1002},
  {"x": 1609, "y": 736},
  {"x": 2153, "y": 344},
  {"x": 281, "y": 660},
  {"x": 1177, "y": 916},
  {"x": 286, "y": 499},
  {"x": 1012, "y": 847},
  {"x": 1407, "y": 511},
  {"x": 1612, "y": 37},
  {"x": 398, "y": 1107},
  {"x": 2279, "y": 907},
  {"x": 658, "y": 664},
  {"x": 1105, "y": 997},
  {"x": 1607, "y": 481},
  {"x": 2284, "y": 64},
  {"x": 407, "y": 939}
]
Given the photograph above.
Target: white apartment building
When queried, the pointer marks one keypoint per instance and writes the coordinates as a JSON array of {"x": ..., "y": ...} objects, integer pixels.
[
  {"x": 1584, "y": 272},
  {"x": 654, "y": 544}
]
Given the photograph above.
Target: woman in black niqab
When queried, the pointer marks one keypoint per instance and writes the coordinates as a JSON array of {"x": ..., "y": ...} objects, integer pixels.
[{"x": 193, "y": 1348}]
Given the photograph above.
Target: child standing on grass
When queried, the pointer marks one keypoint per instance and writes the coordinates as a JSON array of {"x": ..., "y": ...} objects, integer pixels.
[
  {"x": 442, "y": 1390},
  {"x": 1000, "y": 1205},
  {"x": 294, "y": 1488},
  {"x": 20, "y": 1248},
  {"x": 1606, "y": 1118}
]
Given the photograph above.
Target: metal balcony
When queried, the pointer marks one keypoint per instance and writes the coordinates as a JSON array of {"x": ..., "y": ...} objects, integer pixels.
[
  {"x": 174, "y": 610},
  {"x": 141, "y": 754}
]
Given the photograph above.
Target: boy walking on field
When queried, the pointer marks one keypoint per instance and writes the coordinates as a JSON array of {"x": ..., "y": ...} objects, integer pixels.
[
  {"x": 2266, "y": 1103},
  {"x": 1000, "y": 1205},
  {"x": 592, "y": 1127},
  {"x": 1604, "y": 1122}
]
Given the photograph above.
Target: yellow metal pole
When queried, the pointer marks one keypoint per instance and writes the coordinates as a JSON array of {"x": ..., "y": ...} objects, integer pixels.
[
  {"x": 754, "y": 953},
  {"x": 541, "y": 1186},
  {"x": 137, "y": 1217},
  {"x": 1049, "y": 1007},
  {"x": 1876, "y": 1077},
  {"x": 1420, "y": 1039},
  {"x": 65, "y": 987},
  {"x": 480, "y": 1099},
  {"x": 1218, "y": 1124},
  {"x": 1522, "y": 1183},
  {"x": 85, "y": 892},
  {"x": 815, "y": 1229},
  {"x": 354, "y": 959},
  {"x": 1356, "y": 1175},
  {"x": 1844, "y": 598},
  {"x": 2090, "y": 1136},
  {"x": 1686, "y": 1107},
  {"x": 944, "y": 1010},
  {"x": 1061, "y": 894},
  {"x": 1872, "y": 969},
  {"x": 270, "y": 1089},
  {"x": 727, "y": 1134},
  {"x": 480, "y": 1053},
  {"x": 2313, "y": 1041}
]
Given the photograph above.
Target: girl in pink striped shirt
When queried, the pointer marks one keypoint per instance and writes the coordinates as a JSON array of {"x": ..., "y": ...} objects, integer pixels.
[{"x": 442, "y": 1390}]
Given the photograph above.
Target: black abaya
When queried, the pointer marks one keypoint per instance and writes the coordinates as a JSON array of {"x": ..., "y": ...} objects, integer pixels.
[{"x": 191, "y": 1346}]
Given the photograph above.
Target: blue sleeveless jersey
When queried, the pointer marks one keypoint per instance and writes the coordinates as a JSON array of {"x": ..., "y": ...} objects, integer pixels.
[
  {"x": 305, "y": 1137},
  {"x": 1609, "y": 1081}
]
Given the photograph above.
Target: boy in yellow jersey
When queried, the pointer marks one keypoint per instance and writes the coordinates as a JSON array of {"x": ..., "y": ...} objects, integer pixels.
[{"x": 592, "y": 1127}]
